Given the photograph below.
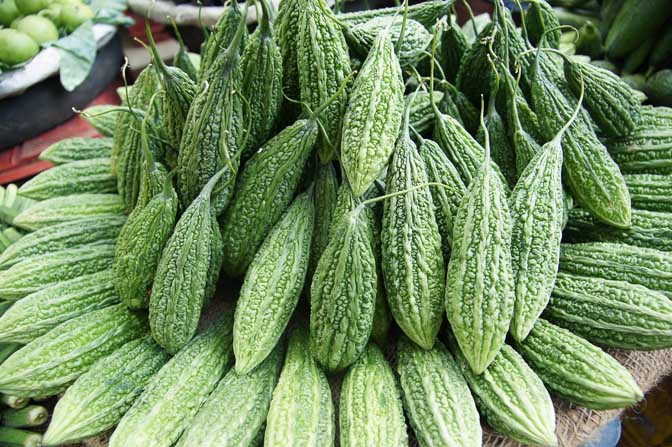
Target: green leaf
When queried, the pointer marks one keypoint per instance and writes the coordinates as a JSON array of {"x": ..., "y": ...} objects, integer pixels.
[{"x": 78, "y": 52}]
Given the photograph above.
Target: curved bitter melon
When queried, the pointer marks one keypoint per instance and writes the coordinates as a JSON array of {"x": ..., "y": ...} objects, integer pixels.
[{"x": 77, "y": 177}]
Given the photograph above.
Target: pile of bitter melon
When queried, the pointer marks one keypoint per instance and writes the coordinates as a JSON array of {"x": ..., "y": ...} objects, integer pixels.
[{"x": 431, "y": 222}]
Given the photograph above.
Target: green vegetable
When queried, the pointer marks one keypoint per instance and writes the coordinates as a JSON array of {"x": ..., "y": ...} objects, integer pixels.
[
  {"x": 72, "y": 234},
  {"x": 79, "y": 177},
  {"x": 540, "y": 18},
  {"x": 635, "y": 21},
  {"x": 324, "y": 199},
  {"x": 73, "y": 15},
  {"x": 26, "y": 7},
  {"x": 7, "y": 349},
  {"x": 373, "y": 116},
  {"x": 462, "y": 149},
  {"x": 301, "y": 412},
  {"x": 453, "y": 46},
  {"x": 426, "y": 12},
  {"x": 343, "y": 290},
  {"x": 479, "y": 281},
  {"x": 235, "y": 412},
  {"x": 370, "y": 410},
  {"x": 413, "y": 265},
  {"x": 323, "y": 65},
  {"x": 100, "y": 397},
  {"x": 577, "y": 370},
  {"x": 102, "y": 117},
  {"x": 188, "y": 377},
  {"x": 30, "y": 416},
  {"x": 636, "y": 58},
  {"x": 41, "y": 311},
  {"x": 436, "y": 396},
  {"x": 20, "y": 438},
  {"x": 272, "y": 285},
  {"x": 661, "y": 55},
  {"x": 475, "y": 76},
  {"x": 286, "y": 28},
  {"x": 190, "y": 63},
  {"x": 8, "y": 12},
  {"x": 221, "y": 37},
  {"x": 15, "y": 402},
  {"x": 39, "y": 28},
  {"x": 75, "y": 149},
  {"x": 645, "y": 266},
  {"x": 48, "y": 364},
  {"x": 16, "y": 47},
  {"x": 32, "y": 274},
  {"x": 69, "y": 208},
  {"x": 264, "y": 189},
  {"x": 650, "y": 191},
  {"x": 659, "y": 88},
  {"x": 611, "y": 313},
  {"x": 511, "y": 397}
]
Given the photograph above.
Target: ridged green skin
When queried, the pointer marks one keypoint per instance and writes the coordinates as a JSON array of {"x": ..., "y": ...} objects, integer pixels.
[
  {"x": 537, "y": 215},
  {"x": 272, "y": 285},
  {"x": 127, "y": 148},
  {"x": 286, "y": 29},
  {"x": 650, "y": 229},
  {"x": 35, "y": 274},
  {"x": 48, "y": 364},
  {"x": 412, "y": 254},
  {"x": 323, "y": 64},
  {"x": 140, "y": 245},
  {"x": 416, "y": 38},
  {"x": 650, "y": 192},
  {"x": 188, "y": 378},
  {"x": 76, "y": 149},
  {"x": 77, "y": 177},
  {"x": 436, "y": 397},
  {"x": 324, "y": 199},
  {"x": 611, "y": 313},
  {"x": 235, "y": 412},
  {"x": 540, "y": 17},
  {"x": 479, "y": 281},
  {"x": 102, "y": 117},
  {"x": 612, "y": 103},
  {"x": 262, "y": 84},
  {"x": 448, "y": 106},
  {"x": 220, "y": 37},
  {"x": 645, "y": 266},
  {"x": 69, "y": 208},
  {"x": 216, "y": 256},
  {"x": 370, "y": 410},
  {"x": 475, "y": 76},
  {"x": 39, "y": 312},
  {"x": 635, "y": 21},
  {"x": 525, "y": 144},
  {"x": 101, "y": 396},
  {"x": 593, "y": 177},
  {"x": 186, "y": 61},
  {"x": 73, "y": 234},
  {"x": 446, "y": 200},
  {"x": 512, "y": 398},
  {"x": 264, "y": 189},
  {"x": 181, "y": 279},
  {"x": 578, "y": 371},
  {"x": 421, "y": 113},
  {"x": 502, "y": 152},
  {"x": 301, "y": 412},
  {"x": 647, "y": 150},
  {"x": 372, "y": 119},
  {"x": 462, "y": 149},
  {"x": 214, "y": 128},
  {"x": 453, "y": 45},
  {"x": 343, "y": 293},
  {"x": 426, "y": 13}
]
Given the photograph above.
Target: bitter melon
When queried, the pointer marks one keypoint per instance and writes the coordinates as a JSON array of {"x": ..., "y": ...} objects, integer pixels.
[
  {"x": 76, "y": 149},
  {"x": 301, "y": 412},
  {"x": 453, "y": 45},
  {"x": 343, "y": 292},
  {"x": 611, "y": 313},
  {"x": 181, "y": 279},
  {"x": 100, "y": 397},
  {"x": 479, "y": 281},
  {"x": 373, "y": 116},
  {"x": 73, "y": 234},
  {"x": 511, "y": 397},
  {"x": 190, "y": 63},
  {"x": 446, "y": 199},
  {"x": 370, "y": 410},
  {"x": 235, "y": 412},
  {"x": 188, "y": 378},
  {"x": 421, "y": 115},
  {"x": 462, "y": 149},
  {"x": 540, "y": 18},
  {"x": 475, "y": 76},
  {"x": 650, "y": 191},
  {"x": 286, "y": 28},
  {"x": 264, "y": 189},
  {"x": 78, "y": 177},
  {"x": 436, "y": 397},
  {"x": 69, "y": 208},
  {"x": 576, "y": 370},
  {"x": 525, "y": 145},
  {"x": 425, "y": 12},
  {"x": 645, "y": 266},
  {"x": 262, "y": 82},
  {"x": 102, "y": 117},
  {"x": 45, "y": 309},
  {"x": 635, "y": 21},
  {"x": 140, "y": 244},
  {"x": 412, "y": 255},
  {"x": 221, "y": 37},
  {"x": 48, "y": 364},
  {"x": 324, "y": 197},
  {"x": 32, "y": 274},
  {"x": 323, "y": 65},
  {"x": 213, "y": 131},
  {"x": 272, "y": 285}
]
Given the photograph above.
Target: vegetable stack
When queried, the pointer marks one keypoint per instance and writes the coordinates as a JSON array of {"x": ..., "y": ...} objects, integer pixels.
[{"x": 320, "y": 212}]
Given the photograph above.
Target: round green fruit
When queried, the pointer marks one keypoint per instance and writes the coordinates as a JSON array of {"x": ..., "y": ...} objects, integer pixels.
[
  {"x": 8, "y": 12},
  {"x": 73, "y": 15},
  {"x": 31, "y": 6},
  {"x": 16, "y": 47},
  {"x": 39, "y": 28}
]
